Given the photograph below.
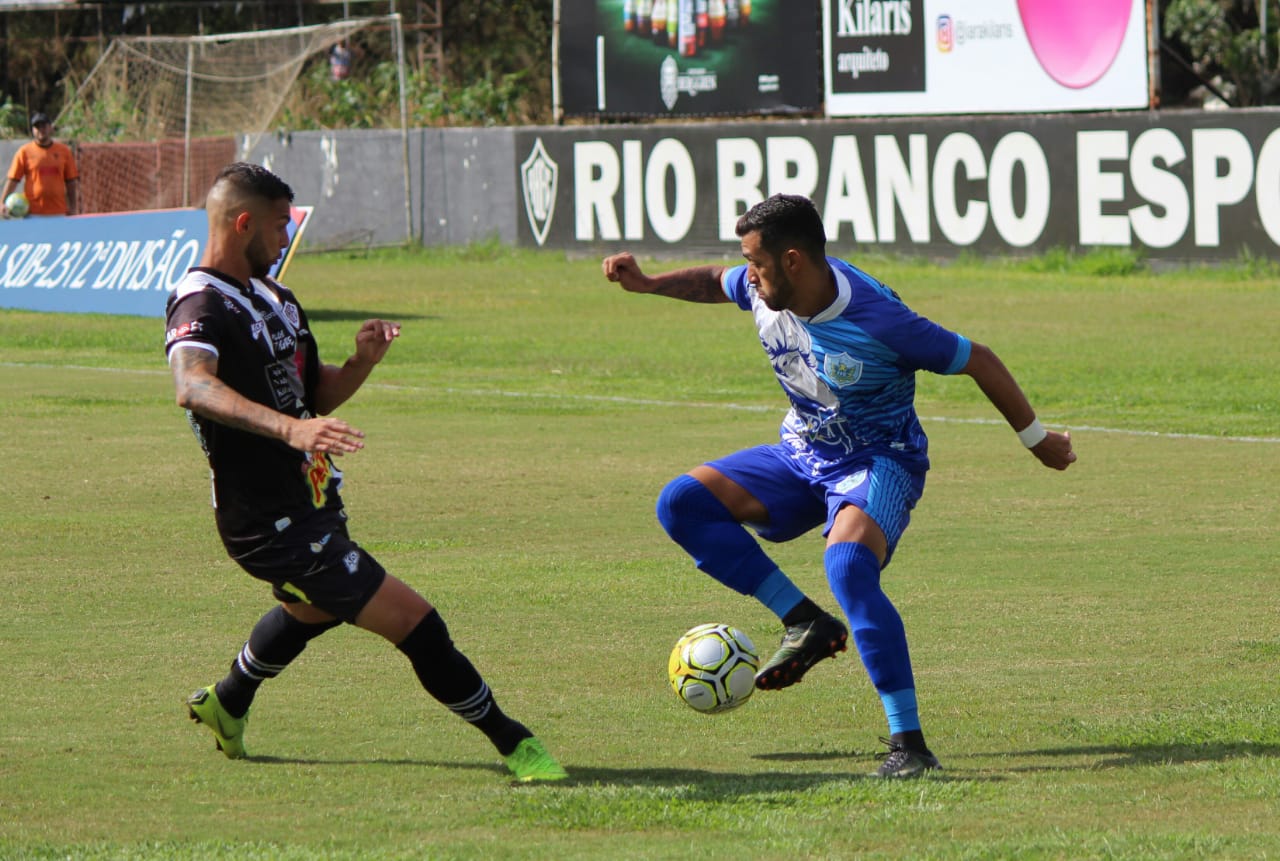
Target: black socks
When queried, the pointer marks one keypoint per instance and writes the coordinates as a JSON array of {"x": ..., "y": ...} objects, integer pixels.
[
  {"x": 276, "y": 640},
  {"x": 805, "y": 611},
  {"x": 451, "y": 678}
]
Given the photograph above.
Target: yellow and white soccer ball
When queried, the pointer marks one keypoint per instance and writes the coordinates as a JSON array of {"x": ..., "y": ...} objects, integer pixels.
[
  {"x": 713, "y": 668},
  {"x": 17, "y": 205}
]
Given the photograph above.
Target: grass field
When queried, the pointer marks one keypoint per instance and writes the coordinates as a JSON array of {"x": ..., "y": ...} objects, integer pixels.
[{"x": 1097, "y": 651}]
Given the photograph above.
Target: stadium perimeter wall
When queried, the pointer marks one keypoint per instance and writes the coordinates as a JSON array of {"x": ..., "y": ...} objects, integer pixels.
[
  {"x": 461, "y": 181},
  {"x": 1185, "y": 185},
  {"x": 1191, "y": 185}
]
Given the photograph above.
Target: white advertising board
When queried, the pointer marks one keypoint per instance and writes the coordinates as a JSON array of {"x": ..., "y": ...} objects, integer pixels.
[{"x": 897, "y": 57}]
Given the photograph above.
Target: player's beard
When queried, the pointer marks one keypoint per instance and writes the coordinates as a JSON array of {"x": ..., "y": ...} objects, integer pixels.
[
  {"x": 260, "y": 257},
  {"x": 781, "y": 293}
]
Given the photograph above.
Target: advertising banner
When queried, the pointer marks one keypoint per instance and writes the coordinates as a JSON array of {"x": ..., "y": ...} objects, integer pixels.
[
  {"x": 1169, "y": 185},
  {"x": 122, "y": 263},
  {"x": 892, "y": 57},
  {"x": 684, "y": 58}
]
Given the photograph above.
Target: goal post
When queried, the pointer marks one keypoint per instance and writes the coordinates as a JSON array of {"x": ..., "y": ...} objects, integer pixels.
[{"x": 208, "y": 95}]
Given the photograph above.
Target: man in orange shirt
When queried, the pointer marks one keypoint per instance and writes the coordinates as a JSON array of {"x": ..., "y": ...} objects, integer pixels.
[{"x": 48, "y": 169}]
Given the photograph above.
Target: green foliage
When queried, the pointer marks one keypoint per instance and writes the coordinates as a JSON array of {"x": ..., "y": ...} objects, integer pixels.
[
  {"x": 370, "y": 99},
  {"x": 1224, "y": 38},
  {"x": 13, "y": 119},
  {"x": 1098, "y": 262},
  {"x": 495, "y": 65},
  {"x": 106, "y": 118},
  {"x": 496, "y": 71}
]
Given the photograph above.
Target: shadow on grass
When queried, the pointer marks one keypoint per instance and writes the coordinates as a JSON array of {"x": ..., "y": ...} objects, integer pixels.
[
  {"x": 1137, "y": 754},
  {"x": 868, "y": 761},
  {"x": 809, "y": 755},
  {"x": 351, "y": 315},
  {"x": 716, "y": 783}
]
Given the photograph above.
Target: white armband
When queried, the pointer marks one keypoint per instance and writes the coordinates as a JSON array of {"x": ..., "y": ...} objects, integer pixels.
[{"x": 1033, "y": 434}]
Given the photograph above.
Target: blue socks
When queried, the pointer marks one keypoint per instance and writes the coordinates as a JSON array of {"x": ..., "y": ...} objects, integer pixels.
[
  {"x": 853, "y": 572},
  {"x": 720, "y": 547},
  {"x": 900, "y": 709},
  {"x": 779, "y": 594}
]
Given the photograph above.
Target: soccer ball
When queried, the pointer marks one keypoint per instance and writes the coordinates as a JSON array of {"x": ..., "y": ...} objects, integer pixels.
[
  {"x": 713, "y": 668},
  {"x": 18, "y": 206}
]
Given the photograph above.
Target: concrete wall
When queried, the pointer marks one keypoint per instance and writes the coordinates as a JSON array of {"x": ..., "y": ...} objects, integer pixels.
[
  {"x": 461, "y": 183},
  {"x": 1190, "y": 185}
]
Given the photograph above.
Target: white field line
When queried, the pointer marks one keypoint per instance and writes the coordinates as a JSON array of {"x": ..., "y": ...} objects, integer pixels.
[{"x": 699, "y": 405}]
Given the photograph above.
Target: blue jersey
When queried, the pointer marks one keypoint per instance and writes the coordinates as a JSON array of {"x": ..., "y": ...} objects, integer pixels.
[{"x": 849, "y": 371}]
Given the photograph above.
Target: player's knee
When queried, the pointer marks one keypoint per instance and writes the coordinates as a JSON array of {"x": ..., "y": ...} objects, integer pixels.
[
  {"x": 686, "y": 500},
  {"x": 429, "y": 638}
]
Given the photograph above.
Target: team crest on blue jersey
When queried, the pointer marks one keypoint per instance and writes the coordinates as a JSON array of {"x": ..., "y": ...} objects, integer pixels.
[{"x": 842, "y": 369}]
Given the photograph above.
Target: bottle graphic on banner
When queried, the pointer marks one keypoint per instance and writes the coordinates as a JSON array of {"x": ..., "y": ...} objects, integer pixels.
[
  {"x": 688, "y": 29},
  {"x": 715, "y": 18},
  {"x": 693, "y": 63}
]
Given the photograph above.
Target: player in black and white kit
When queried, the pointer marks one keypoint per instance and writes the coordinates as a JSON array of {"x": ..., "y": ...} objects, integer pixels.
[{"x": 246, "y": 369}]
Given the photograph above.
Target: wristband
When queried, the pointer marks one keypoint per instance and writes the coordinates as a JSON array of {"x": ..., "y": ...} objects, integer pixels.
[{"x": 1033, "y": 434}]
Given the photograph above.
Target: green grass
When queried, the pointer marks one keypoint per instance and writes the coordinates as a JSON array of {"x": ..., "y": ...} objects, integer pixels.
[{"x": 1096, "y": 650}]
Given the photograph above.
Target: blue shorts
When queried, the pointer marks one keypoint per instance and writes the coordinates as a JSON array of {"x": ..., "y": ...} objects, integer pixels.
[{"x": 797, "y": 501}]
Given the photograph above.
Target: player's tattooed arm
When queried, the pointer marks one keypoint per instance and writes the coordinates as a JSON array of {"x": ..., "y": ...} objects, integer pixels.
[
  {"x": 696, "y": 284},
  {"x": 195, "y": 378}
]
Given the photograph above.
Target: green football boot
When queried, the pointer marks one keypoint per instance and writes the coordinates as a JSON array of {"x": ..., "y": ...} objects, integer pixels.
[
  {"x": 228, "y": 731},
  {"x": 530, "y": 762}
]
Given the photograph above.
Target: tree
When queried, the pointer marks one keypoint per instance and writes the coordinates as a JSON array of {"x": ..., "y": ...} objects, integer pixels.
[
  {"x": 497, "y": 58},
  {"x": 1223, "y": 41}
]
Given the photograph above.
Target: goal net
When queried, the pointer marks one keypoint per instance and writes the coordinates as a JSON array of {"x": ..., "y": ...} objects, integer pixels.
[{"x": 158, "y": 116}]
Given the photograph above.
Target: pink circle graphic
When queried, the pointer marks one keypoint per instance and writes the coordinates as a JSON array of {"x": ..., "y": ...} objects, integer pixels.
[{"x": 1076, "y": 42}]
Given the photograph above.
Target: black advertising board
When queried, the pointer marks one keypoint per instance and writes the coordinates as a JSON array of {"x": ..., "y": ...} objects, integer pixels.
[
  {"x": 687, "y": 58},
  {"x": 1175, "y": 185},
  {"x": 877, "y": 46}
]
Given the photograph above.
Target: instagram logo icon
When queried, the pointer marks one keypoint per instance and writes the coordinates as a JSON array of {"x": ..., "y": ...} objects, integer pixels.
[{"x": 946, "y": 34}]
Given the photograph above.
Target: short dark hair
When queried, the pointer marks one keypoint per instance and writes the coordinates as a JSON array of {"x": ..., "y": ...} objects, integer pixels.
[
  {"x": 786, "y": 221},
  {"x": 40, "y": 119},
  {"x": 256, "y": 180}
]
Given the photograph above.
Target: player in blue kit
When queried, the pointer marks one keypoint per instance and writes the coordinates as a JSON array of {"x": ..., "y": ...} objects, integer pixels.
[{"x": 852, "y": 455}]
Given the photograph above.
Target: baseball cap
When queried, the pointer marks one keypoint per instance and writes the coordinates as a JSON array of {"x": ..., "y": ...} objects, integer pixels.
[{"x": 39, "y": 119}]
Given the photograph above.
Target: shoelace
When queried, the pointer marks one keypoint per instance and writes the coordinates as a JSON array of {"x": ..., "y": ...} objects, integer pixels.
[{"x": 896, "y": 755}]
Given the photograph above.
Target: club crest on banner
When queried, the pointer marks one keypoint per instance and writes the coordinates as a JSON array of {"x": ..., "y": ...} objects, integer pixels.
[
  {"x": 538, "y": 175},
  {"x": 842, "y": 369},
  {"x": 668, "y": 82}
]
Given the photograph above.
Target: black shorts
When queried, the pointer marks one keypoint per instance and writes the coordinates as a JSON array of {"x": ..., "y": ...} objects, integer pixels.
[{"x": 317, "y": 563}]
